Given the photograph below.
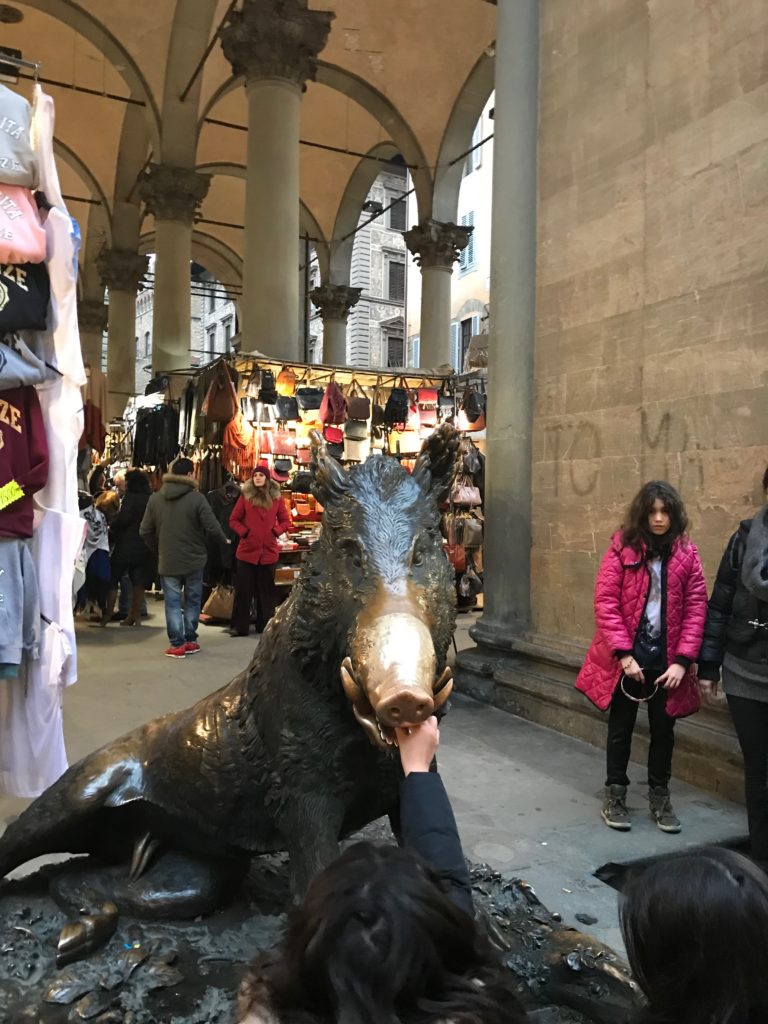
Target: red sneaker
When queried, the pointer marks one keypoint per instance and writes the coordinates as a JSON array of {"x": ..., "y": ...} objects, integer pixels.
[
  {"x": 190, "y": 647},
  {"x": 176, "y": 652}
]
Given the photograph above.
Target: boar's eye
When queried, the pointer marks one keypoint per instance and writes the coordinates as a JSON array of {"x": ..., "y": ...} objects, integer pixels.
[
  {"x": 418, "y": 556},
  {"x": 352, "y": 551}
]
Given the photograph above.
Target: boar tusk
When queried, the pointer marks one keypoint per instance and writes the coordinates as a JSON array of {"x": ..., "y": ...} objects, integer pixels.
[
  {"x": 446, "y": 677},
  {"x": 443, "y": 688},
  {"x": 348, "y": 681}
]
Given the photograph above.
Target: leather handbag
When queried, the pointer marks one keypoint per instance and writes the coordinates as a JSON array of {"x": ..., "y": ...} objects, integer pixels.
[
  {"x": 303, "y": 456},
  {"x": 333, "y": 435},
  {"x": 473, "y": 404},
  {"x": 309, "y": 397},
  {"x": 267, "y": 390},
  {"x": 470, "y": 584},
  {"x": 358, "y": 404},
  {"x": 356, "y": 430},
  {"x": 457, "y": 556},
  {"x": 465, "y": 493},
  {"x": 398, "y": 407},
  {"x": 336, "y": 451},
  {"x": 333, "y": 408},
  {"x": 302, "y": 483},
  {"x": 356, "y": 451},
  {"x": 220, "y": 402},
  {"x": 220, "y": 602},
  {"x": 27, "y": 293},
  {"x": 474, "y": 426},
  {"x": 427, "y": 404},
  {"x": 472, "y": 532},
  {"x": 283, "y": 443},
  {"x": 287, "y": 408},
  {"x": 282, "y": 466},
  {"x": 285, "y": 385}
]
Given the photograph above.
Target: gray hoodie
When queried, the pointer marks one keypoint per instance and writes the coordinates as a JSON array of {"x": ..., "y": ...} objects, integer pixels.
[{"x": 177, "y": 526}]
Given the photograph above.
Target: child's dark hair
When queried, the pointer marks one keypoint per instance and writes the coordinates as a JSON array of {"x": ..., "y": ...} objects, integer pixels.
[
  {"x": 696, "y": 931},
  {"x": 377, "y": 940},
  {"x": 635, "y": 531}
]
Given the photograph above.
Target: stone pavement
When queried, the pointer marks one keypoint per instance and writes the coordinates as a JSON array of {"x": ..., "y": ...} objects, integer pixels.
[{"x": 526, "y": 798}]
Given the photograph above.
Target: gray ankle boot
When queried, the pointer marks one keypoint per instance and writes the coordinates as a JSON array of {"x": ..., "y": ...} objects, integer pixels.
[
  {"x": 661, "y": 809},
  {"x": 614, "y": 812}
]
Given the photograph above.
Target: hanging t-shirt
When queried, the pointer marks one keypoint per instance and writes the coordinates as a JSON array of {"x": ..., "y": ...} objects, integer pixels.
[
  {"x": 23, "y": 459},
  {"x": 18, "y": 165}
]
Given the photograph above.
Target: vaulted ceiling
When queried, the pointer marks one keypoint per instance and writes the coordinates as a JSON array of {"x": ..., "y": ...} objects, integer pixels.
[{"x": 408, "y": 75}]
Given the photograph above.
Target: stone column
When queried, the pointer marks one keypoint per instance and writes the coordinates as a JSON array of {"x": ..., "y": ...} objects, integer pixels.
[
  {"x": 507, "y": 541},
  {"x": 436, "y": 247},
  {"x": 334, "y": 302},
  {"x": 92, "y": 317},
  {"x": 122, "y": 271},
  {"x": 274, "y": 44},
  {"x": 172, "y": 195}
]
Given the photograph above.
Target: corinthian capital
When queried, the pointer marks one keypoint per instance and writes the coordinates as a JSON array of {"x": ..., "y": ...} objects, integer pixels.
[
  {"x": 435, "y": 244},
  {"x": 275, "y": 39},
  {"x": 92, "y": 315},
  {"x": 121, "y": 270},
  {"x": 335, "y": 300},
  {"x": 173, "y": 193}
]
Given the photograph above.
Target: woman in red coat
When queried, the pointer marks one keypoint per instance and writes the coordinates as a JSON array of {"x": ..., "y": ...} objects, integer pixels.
[
  {"x": 650, "y": 608},
  {"x": 258, "y": 518}
]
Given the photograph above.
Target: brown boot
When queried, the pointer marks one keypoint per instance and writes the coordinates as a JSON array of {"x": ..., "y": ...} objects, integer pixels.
[{"x": 134, "y": 615}]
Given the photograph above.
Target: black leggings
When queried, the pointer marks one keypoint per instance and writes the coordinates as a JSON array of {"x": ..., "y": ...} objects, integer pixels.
[
  {"x": 621, "y": 724},
  {"x": 750, "y": 717}
]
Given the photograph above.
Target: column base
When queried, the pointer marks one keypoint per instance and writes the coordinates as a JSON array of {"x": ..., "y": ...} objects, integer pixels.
[{"x": 532, "y": 676}]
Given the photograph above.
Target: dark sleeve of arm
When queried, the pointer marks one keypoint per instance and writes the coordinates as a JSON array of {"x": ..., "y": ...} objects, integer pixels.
[
  {"x": 719, "y": 611},
  {"x": 429, "y": 827},
  {"x": 148, "y": 529},
  {"x": 210, "y": 523}
]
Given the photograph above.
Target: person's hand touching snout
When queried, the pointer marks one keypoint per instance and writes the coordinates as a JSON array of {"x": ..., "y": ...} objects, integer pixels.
[{"x": 418, "y": 745}]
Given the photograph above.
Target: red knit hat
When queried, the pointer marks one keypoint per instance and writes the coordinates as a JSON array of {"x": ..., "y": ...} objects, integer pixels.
[{"x": 262, "y": 467}]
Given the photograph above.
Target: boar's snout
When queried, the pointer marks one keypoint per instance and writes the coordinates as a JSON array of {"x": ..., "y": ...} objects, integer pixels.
[{"x": 405, "y": 706}]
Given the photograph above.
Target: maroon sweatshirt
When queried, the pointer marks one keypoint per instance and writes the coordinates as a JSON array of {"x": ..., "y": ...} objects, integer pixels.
[{"x": 23, "y": 458}]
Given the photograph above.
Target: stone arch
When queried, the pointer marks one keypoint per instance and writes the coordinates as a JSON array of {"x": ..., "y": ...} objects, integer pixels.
[
  {"x": 86, "y": 25},
  {"x": 222, "y": 261},
  {"x": 348, "y": 215},
  {"x": 192, "y": 24},
  {"x": 68, "y": 156},
  {"x": 457, "y": 138},
  {"x": 378, "y": 106},
  {"x": 307, "y": 220}
]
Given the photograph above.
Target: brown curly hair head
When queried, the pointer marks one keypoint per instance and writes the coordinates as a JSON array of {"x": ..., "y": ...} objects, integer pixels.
[{"x": 635, "y": 530}]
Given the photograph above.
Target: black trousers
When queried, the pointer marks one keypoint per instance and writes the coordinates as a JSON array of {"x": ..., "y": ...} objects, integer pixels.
[
  {"x": 621, "y": 724},
  {"x": 750, "y": 717},
  {"x": 253, "y": 581}
]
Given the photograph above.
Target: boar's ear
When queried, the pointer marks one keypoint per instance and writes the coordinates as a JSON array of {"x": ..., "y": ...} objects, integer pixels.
[
  {"x": 438, "y": 462},
  {"x": 329, "y": 477}
]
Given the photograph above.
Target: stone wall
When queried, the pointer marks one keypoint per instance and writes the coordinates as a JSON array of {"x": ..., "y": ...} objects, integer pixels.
[{"x": 652, "y": 322}]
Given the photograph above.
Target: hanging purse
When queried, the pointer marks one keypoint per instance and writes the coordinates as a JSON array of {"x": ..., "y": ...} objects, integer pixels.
[
  {"x": 472, "y": 532},
  {"x": 282, "y": 467},
  {"x": 377, "y": 411},
  {"x": 356, "y": 430},
  {"x": 358, "y": 404},
  {"x": 285, "y": 384},
  {"x": 283, "y": 443},
  {"x": 473, "y": 404},
  {"x": 465, "y": 493},
  {"x": 309, "y": 397},
  {"x": 427, "y": 403},
  {"x": 470, "y": 584},
  {"x": 303, "y": 456},
  {"x": 302, "y": 483},
  {"x": 333, "y": 435},
  {"x": 220, "y": 403},
  {"x": 267, "y": 391},
  {"x": 356, "y": 451},
  {"x": 398, "y": 406},
  {"x": 457, "y": 556},
  {"x": 333, "y": 408},
  {"x": 287, "y": 408},
  {"x": 253, "y": 384}
]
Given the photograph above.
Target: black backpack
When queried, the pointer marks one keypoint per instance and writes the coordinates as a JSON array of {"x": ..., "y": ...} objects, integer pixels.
[{"x": 397, "y": 408}]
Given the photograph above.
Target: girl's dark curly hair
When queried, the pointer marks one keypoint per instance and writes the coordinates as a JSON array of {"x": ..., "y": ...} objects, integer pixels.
[
  {"x": 635, "y": 530},
  {"x": 378, "y": 941}
]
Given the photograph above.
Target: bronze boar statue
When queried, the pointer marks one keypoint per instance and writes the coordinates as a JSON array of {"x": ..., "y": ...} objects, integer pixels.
[{"x": 295, "y": 752}]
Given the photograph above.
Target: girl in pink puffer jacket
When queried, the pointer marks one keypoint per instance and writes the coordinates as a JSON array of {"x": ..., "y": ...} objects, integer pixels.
[{"x": 650, "y": 608}]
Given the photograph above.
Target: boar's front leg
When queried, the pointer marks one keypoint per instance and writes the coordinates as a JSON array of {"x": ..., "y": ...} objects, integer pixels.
[{"x": 311, "y": 824}]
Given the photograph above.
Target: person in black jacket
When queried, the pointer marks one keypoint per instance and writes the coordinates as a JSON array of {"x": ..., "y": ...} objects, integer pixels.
[
  {"x": 130, "y": 555},
  {"x": 736, "y": 640},
  {"x": 386, "y": 933}
]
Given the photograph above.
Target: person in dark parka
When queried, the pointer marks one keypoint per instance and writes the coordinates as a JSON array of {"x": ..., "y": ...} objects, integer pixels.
[
  {"x": 130, "y": 555},
  {"x": 736, "y": 641}
]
